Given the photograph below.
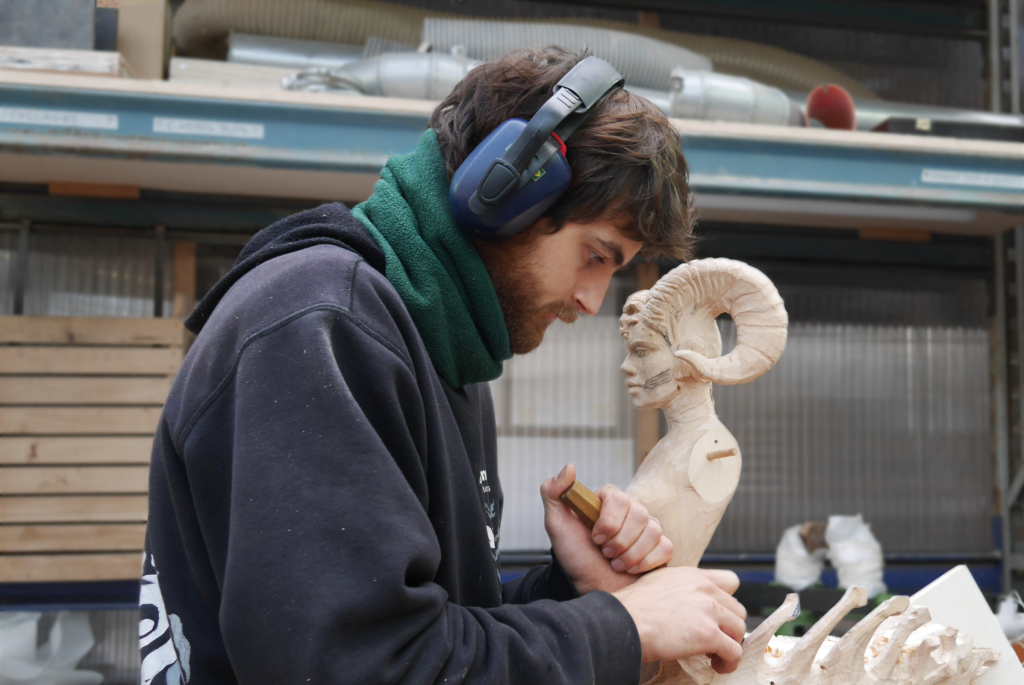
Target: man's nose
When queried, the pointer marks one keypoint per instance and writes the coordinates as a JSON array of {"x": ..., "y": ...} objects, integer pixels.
[{"x": 589, "y": 296}]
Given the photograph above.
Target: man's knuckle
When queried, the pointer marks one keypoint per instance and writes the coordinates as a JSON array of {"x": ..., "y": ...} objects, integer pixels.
[{"x": 632, "y": 556}]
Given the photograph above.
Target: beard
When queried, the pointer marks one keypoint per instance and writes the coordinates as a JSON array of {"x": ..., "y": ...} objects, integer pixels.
[{"x": 518, "y": 286}]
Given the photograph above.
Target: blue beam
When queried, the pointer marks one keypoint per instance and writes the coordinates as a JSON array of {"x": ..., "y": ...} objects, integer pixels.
[
  {"x": 822, "y": 171},
  {"x": 172, "y": 128},
  {"x": 301, "y": 134}
]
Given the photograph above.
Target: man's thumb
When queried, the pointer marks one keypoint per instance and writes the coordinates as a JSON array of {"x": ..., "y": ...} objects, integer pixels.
[{"x": 551, "y": 489}]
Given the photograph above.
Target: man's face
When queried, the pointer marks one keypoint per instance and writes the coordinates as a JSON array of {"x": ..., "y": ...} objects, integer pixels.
[{"x": 540, "y": 277}]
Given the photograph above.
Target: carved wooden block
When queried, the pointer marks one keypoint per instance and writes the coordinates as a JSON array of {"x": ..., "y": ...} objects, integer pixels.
[{"x": 893, "y": 645}]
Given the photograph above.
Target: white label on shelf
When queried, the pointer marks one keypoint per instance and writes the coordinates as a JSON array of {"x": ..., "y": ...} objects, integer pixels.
[
  {"x": 202, "y": 127},
  {"x": 57, "y": 117},
  {"x": 972, "y": 178}
]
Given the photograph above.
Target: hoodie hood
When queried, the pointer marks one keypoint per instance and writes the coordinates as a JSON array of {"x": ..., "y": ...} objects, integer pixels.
[{"x": 330, "y": 224}]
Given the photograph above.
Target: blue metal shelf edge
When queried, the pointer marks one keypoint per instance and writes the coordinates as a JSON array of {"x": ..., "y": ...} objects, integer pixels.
[{"x": 295, "y": 131}]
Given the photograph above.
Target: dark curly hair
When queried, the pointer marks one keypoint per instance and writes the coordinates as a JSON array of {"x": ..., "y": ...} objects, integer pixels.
[{"x": 627, "y": 164}]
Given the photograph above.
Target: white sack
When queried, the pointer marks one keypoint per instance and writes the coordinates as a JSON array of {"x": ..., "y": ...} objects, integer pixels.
[
  {"x": 795, "y": 567},
  {"x": 53, "y": 663},
  {"x": 1010, "y": 620},
  {"x": 855, "y": 553}
]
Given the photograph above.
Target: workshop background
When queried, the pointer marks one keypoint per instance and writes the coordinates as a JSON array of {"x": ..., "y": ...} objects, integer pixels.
[{"x": 867, "y": 155}]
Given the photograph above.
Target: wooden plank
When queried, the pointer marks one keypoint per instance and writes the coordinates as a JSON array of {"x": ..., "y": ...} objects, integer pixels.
[
  {"x": 184, "y": 286},
  {"x": 906, "y": 235},
  {"x": 92, "y": 62},
  {"x": 78, "y": 420},
  {"x": 101, "y": 390},
  {"x": 34, "y": 568},
  {"x": 107, "y": 190},
  {"x": 226, "y": 74},
  {"x": 93, "y": 361},
  {"x": 314, "y": 185},
  {"x": 90, "y": 330},
  {"x": 73, "y": 509},
  {"x": 73, "y": 480},
  {"x": 649, "y": 20},
  {"x": 344, "y": 101},
  {"x": 79, "y": 450},
  {"x": 142, "y": 35},
  {"x": 102, "y": 537}
]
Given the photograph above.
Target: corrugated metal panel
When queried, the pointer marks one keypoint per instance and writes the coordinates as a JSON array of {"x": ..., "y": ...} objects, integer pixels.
[
  {"x": 888, "y": 421},
  {"x": 564, "y": 402},
  {"x": 115, "y": 654},
  {"x": 8, "y": 260},
  {"x": 76, "y": 275},
  {"x": 879, "y": 296},
  {"x": 572, "y": 381},
  {"x": 879, "y": 406},
  {"x": 212, "y": 263},
  {"x": 524, "y": 463}
]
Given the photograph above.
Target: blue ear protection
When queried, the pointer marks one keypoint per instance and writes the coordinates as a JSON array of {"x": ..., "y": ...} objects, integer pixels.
[{"x": 520, "y": 170}]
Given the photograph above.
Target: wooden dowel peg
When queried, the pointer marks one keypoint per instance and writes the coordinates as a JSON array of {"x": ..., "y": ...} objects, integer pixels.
[{"x": 721, "y": 454}]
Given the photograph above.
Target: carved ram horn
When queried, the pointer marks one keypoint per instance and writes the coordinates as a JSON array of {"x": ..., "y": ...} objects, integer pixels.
[{"x": 709, "y": 287}]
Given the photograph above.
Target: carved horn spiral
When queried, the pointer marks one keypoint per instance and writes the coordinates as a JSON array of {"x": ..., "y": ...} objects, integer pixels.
[{"x": 709, "y": 287}]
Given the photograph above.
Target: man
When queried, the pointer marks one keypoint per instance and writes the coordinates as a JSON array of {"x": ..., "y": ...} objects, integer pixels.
[{"x": 324, "y": 499}]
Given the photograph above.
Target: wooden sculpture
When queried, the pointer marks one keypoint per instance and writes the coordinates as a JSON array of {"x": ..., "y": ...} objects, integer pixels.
[
  {"x": 893, "y": 645},
  {"x": 689, "y": 478},
  {"x": 675, "y": 351}
]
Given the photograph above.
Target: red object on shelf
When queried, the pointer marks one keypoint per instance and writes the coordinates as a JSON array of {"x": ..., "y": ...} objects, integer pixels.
[{"x": 832, "y": 106}]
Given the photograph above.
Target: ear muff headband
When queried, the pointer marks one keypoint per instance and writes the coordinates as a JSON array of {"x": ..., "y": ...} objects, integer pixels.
[{"x": 576, "y": 96}]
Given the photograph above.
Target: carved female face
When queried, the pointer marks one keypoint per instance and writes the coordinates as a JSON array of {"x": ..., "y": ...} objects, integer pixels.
[{"x": 650, "y": 367}]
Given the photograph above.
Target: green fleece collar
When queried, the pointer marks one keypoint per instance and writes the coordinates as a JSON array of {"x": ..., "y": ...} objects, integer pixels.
[{"x": 435, "y": 267}]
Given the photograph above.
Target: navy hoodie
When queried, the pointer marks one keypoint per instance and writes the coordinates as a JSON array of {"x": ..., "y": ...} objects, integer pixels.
[{"x": 324, "y": 509}]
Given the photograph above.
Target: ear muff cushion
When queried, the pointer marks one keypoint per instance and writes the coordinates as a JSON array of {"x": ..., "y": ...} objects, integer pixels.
[{"x": 522, "y": 206}]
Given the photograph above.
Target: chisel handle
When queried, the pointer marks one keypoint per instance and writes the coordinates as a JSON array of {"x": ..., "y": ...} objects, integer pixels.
[{"x": 583, "y": 502}]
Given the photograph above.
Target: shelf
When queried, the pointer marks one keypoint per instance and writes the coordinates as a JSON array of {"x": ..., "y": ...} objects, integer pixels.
[{"x": 207, "y": 140}]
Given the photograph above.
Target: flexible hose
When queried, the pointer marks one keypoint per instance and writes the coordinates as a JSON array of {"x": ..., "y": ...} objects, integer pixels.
[
  {"x": 642, "y": 61},
  {"x": 762, "y": 63},
  {"x": 201, "y": 27}
]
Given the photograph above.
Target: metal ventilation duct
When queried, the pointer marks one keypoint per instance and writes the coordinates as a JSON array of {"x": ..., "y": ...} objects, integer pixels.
[
  {"x": 643, "y": 61},
  {"x": 200, "y": 26},
  {"x": 429, "y": 76},
  {"x": 707, "y": 95},
  {"x": 271, "y": 51}
]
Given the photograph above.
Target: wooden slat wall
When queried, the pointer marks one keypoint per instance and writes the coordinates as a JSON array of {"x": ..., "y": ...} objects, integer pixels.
[{"x": 80, "y": 399}]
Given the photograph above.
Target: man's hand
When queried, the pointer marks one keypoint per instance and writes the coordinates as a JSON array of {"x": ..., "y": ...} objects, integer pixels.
[
  {"x": 683, "y": 612},
  {"x": 625, "y": 542}
]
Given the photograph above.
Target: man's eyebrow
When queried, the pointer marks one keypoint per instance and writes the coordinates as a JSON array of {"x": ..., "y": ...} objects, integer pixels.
[{"x": 611, "y": 246}]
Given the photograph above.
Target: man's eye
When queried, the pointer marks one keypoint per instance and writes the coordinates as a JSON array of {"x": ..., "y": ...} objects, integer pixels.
[
  {"x": 641, "y": 352},
  {"x": 595, "y": 257}
]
